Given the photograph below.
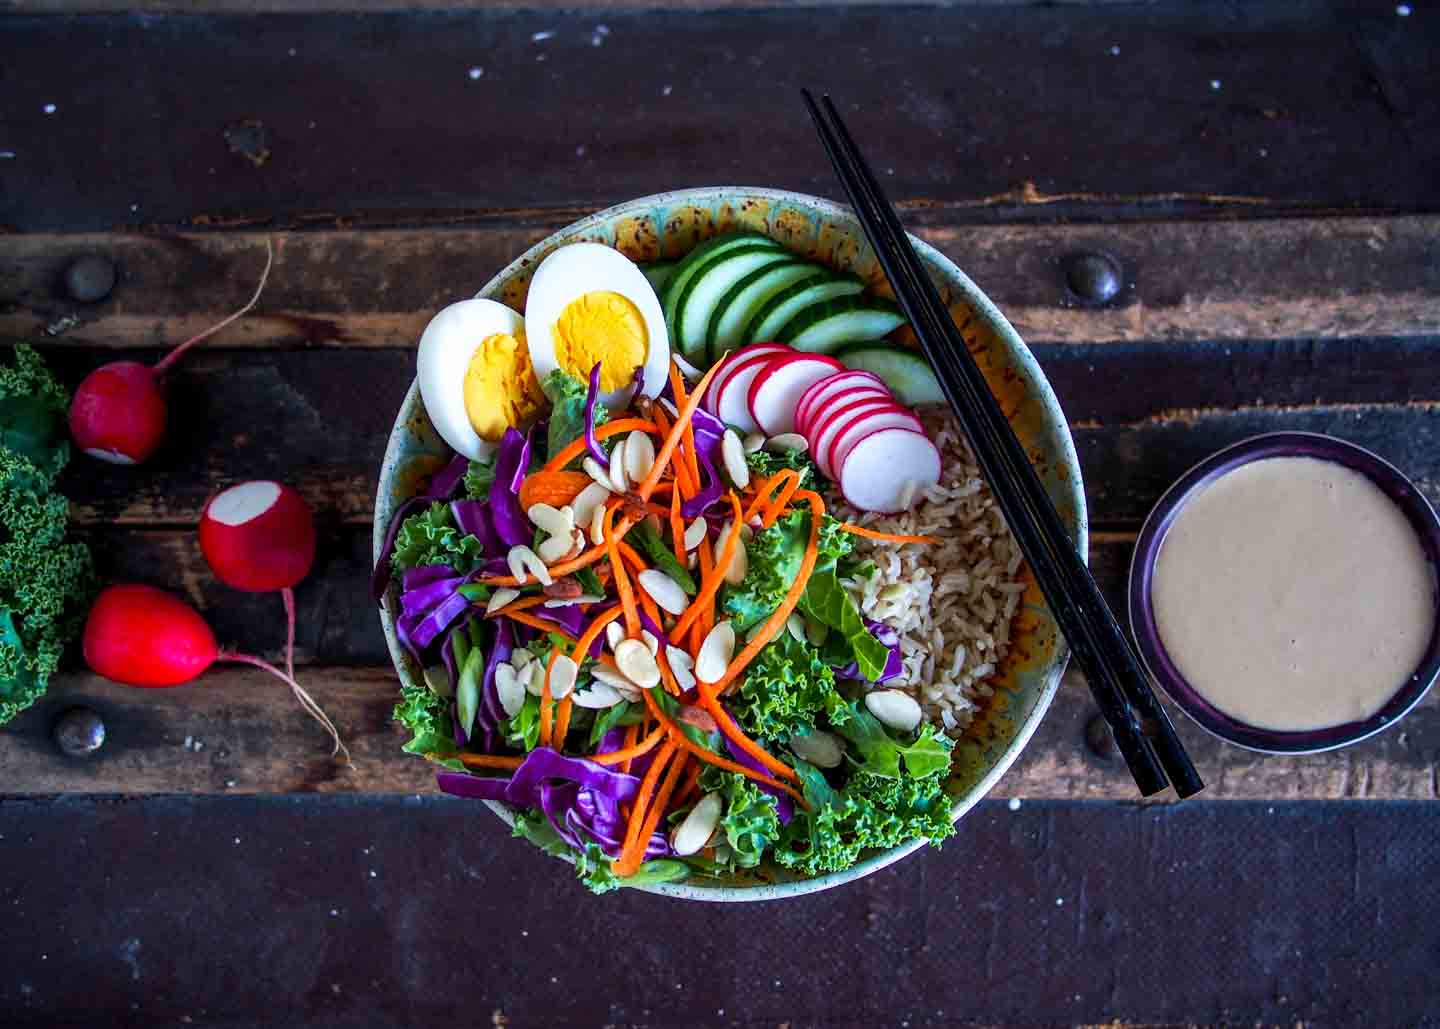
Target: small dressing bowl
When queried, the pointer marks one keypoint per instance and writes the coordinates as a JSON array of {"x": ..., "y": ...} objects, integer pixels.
[{"x": 1390, "y": 481}]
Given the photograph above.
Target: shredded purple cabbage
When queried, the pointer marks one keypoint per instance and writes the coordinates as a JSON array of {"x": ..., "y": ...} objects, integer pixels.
[
  {"x": 511, "y": 463},
  {"x": 893, "y": 665},
  {"x": 709, "y": 495},
  {"x": 655, "y": 630},
  {"x": 591, "y": 396},
  {"x": 443, "y": 482},
  {"x": 414, "y": 578},
  {"x": 380, "y": 577},
  {"x": 490, "y": 714},
  {"x": 580, "y": 798},
  {"x": 473, "y": 517}
]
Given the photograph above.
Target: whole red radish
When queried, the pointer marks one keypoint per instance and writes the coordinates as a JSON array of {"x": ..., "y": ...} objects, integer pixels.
[
  {"x": 260, "y": 536},
  {"x": 142, "y": 636},
  {"x": 118, "y": 413}
]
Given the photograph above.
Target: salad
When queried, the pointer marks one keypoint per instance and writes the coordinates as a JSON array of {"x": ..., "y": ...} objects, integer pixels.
[{"x": 634, "y": 610}]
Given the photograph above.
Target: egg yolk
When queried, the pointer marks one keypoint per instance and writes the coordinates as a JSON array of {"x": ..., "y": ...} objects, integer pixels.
[
  {"x": 500, "y": 386},
  {"x": 601, "y": 328}
]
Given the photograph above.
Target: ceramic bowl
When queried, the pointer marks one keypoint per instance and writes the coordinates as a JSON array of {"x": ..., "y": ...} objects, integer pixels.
[
  {"x": 1392, "y": 483},
  {"x": 669, "y": 225}
]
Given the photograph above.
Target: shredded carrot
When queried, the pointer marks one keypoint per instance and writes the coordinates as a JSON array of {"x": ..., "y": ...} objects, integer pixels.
[
  {"x": 648, "y": 605},
  {"x": 666, "y": 675},
  {"x": 592, "y": 633},
  {"x": 577, "y": 447},
  {"x": 631, "y": 734},
  {"x": 777, "y": 506},
  {"x": 768, "y": 488},
  {"x": 714, "y": 578},
  {"x": 672, "y": 439},
  {"x": 632, "y": 556},
  {"x": 490, "y": 761},
  {"x": 690, "y": 462},
  {"x": 547, "y": 700},
  {"x": 631, "y": 750},
  {"x": 677, "y": 527},
  {"x": 562, "y": 722},
  {"x": 680, "y": 472},
  {"x": 692, "y": 785},
  {"x": 639, "y": 804},
  {"x": 589, "y": 557},
  {"x": 622, "y": 580},
  {"x": 630, "y": 863},
  {"x": 792, "y": 596},
  {"x": 523, "y": 604},
  {"x": 711, "y": 758},
  {"x": 736, "y": 735},
  {"x": 524, "y": 618},
  {"x": 698, "y": 630},
  {"x": 892, "y": 537}
]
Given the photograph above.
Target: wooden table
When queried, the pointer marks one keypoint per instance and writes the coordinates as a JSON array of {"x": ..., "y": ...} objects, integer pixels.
[{"x": 1268, "y": 176}]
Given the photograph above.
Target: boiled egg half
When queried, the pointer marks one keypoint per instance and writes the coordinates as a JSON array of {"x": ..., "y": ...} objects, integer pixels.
[
  {"x": 476, "y": 376},
  {"x": 590, "y": 304}
]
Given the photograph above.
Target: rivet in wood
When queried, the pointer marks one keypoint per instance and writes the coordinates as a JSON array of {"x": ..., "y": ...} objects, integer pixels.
[
  {"x": 79, "y": 732},
  {"x": 90, "y": 278},
  {"x": 1098, "y": 738},
  {"x": 1093, "y": 277}
]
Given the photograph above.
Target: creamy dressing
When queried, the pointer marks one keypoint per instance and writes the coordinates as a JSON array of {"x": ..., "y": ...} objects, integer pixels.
[{"x": 1293, "y": 594}]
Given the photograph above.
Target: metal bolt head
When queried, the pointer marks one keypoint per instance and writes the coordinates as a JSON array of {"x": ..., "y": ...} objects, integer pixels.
[
  {"x": 90, "y": 278},
  {"x": 1098, "y": 738},
  {"x": 1094, "y": 277},
  {"x": 79, "y": 732}
]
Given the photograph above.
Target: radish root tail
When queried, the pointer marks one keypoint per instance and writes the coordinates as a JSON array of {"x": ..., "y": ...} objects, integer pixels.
[
  {"x": 169, "y": 359},
  {"x": 306, "y": 701},
  {"x": 288, "y": 596}
]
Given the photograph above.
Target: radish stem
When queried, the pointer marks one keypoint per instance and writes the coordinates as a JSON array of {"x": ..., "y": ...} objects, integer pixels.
[
  {"x": 288, "y": 596},
  {"x": 165, "y": 362},
  {"x": 306, "y": 701}
]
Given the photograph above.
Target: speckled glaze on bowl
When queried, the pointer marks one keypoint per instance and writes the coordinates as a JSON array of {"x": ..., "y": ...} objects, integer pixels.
[
  {"x": 669, "y": 225},
  {"x": 1391, "y": 481}
]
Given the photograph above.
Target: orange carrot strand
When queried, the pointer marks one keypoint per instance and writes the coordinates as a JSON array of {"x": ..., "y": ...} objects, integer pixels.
[
  {"x": 490, "y": 761},
  {"x": 672, "y": 439},
  {"x": 577, "y": 447},
  {"x": 890, "y": 537},
  {"x": 711, "y": 581}
]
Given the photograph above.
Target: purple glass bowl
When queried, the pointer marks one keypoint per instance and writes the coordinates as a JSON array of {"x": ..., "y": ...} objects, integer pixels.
[{"x": 1147, "y": 549}]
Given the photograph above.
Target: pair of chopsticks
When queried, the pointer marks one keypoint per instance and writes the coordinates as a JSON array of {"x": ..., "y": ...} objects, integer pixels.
[{"x": 1117, "y": 679}]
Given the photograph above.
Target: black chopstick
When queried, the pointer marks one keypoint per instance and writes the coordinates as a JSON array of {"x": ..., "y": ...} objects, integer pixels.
[{"x": 1101, "y": 647}]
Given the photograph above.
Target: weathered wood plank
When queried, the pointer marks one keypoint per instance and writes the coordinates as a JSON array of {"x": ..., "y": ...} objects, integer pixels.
[
  {"x": 321, "y": 419},
  {"x": 1286, "y": 278},
  {"x": 253, "y": 738},
  {"x": 1154, "y": 109}
]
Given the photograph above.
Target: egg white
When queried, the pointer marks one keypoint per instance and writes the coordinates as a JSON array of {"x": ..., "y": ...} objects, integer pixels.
[
  {"x": 445, "y": 350},
  {"x": 568, "y": 274}
]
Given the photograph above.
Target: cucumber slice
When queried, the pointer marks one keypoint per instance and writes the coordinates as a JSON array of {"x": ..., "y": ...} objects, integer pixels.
[
  {"x": 692, "y": 262},
  {"x": 702, "y": 294},
  {"x": 905, "y": 371},
  {"x": 659, "y": 273},
  {"x": 828, "y": 325},
  {"x": 747, "y": 296},
  {"x": 770, "y": 320}
]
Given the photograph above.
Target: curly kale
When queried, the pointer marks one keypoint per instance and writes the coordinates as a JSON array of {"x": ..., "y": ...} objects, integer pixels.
[
  {"x": 427, "y": 716},
  {"x": 432, "y": 537},
  {"x": 785, "y": 689},
  {"x": 765, "y": 463},
  {"x": 46, "y": 584},
  {"x": 750, "y": 823}
]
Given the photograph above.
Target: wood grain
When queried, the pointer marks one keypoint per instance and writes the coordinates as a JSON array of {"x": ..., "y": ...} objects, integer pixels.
[
  {"x": 1318, "y": 106},
  {"x": 1188, "y": 281},
  {"x": 253, "y": 738}
]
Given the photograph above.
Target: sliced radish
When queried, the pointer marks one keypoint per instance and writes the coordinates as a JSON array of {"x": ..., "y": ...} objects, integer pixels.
[
  {"x": 730, "y": 363},
  {"x": 886, "y": 470},
  {"x": 828, "y": 387},
  {"x": 779, "y": 386},
  {"x": 857, "y": 428},
  {"x": 732, "y": 403},
  {"x": 258, "y": 536},
  {"x": 825, "y": 424},
  {"x": 819, "y": 413}
]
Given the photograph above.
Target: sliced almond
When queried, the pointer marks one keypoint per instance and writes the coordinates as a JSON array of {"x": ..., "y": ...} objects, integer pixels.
[
  {"x": 691, "y": 835},
  {"x": 438, "y": 679},
  {"x": 534, "y": 678},
  {"x": 758, "y": 628},
  {"x": 682, "y": 667},
  {"x": 732, "y": 456},
  {"x": 617, "y": 467},
  {"x": 696, "y": 532},
  {"x": 820, "y": 748},
  {"x": 816, "y": 632},
  {"x": 562, "y": 677},
  {"x": 752, "y": 442},
  {"x": 894, "y": 709},
  {"x": 597, "y": 471},
  {"x": 556, "y": 548},
  {"x": 520, "y": 658},
  {"x": 597, "y": 696},
  {"x": 610, "y": 677},
  {"x": 614, "y": 635},
  {"x": 639, "y": 455},
  {"x": 557, "y": 521},
  {"x": 509, "y": 688},
  {"x": 582, "y": 598},
  {"x": 504, "y": 595},
  {"x": 637, "y": 664},
  {"x": 740, "y": 562},
  {"x": 587, "y": 500},
  {"x": 597, "y": 525},
  {"x": 795, "y": 625},
  {"x": 648, "y": 638},
  {"x": 528, "y": 562},
  {"x": 715, "y": 653},
  {"x": 786, "y": 441},
  {"x": 664, "y": 590}
]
